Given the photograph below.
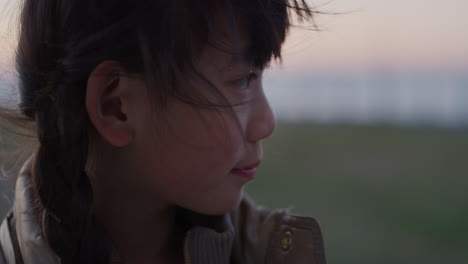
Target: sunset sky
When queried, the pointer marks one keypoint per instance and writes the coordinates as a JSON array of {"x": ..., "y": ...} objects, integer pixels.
[{"x": 398, "y": 34}]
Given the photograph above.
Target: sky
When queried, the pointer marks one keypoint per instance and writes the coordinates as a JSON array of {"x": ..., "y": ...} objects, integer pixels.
[{"x": 389, "y": 35}]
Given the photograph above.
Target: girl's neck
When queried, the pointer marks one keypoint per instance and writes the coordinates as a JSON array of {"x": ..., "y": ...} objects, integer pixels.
[{"x": 141, "y": 232}]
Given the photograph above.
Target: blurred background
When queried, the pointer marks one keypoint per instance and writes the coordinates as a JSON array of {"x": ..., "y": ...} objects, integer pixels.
[{"x": 372, "y": 135}]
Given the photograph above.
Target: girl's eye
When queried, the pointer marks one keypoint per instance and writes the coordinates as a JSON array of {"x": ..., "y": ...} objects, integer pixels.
[{"x": 244, "y": 83}]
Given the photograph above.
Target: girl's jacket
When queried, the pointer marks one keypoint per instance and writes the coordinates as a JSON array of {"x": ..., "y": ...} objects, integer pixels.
[{"x": 257, "y": 235}]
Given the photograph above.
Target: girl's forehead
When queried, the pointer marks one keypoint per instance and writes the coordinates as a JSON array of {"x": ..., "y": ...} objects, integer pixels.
[
  {"x": 223, "y": 61},
  {"x": 228, "y": 44}
]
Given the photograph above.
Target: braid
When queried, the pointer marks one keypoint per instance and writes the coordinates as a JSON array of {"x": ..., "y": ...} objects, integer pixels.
[
  {"x": 60, "y": 181},
  {"x": 54, "y": 96}
]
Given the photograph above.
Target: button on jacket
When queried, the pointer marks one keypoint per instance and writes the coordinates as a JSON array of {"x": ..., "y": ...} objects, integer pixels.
[{"x": 254, "y": 235}]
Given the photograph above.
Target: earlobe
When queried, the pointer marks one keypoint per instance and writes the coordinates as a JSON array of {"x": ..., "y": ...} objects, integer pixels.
[{"x": 106, "y": 104}]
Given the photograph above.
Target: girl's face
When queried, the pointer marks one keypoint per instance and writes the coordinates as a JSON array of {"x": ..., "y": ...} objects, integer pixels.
[{"x": 192, "y": 156}]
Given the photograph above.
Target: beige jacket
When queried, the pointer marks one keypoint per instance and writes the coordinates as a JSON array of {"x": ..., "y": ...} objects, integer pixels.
[{"x": 261, "y": 235}]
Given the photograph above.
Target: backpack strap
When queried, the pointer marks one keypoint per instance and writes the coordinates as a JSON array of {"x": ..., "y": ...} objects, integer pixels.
[{"x": 7, "y": 251}]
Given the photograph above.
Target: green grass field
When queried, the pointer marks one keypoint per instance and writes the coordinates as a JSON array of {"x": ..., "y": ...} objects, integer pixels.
[{"x": 382, "y": 194}]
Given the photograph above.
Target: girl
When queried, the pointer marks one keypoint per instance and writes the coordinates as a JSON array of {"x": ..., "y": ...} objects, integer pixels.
[{"x": 149, "y": 116}]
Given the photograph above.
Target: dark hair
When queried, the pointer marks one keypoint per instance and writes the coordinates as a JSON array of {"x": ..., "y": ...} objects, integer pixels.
[{"x": 61, "y": 42}]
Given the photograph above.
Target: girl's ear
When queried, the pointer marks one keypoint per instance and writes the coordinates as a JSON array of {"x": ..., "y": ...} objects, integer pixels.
[{"x": 107, "y": 104}]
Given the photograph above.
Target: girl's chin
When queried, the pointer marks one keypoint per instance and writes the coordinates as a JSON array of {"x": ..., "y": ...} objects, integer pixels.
[{"x": 221, "y": 206}]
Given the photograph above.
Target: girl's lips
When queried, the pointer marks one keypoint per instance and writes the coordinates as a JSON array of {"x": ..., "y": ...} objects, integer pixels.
[
  {"x": 245, "y": 173},
  {"x": 251, "y": 166}
]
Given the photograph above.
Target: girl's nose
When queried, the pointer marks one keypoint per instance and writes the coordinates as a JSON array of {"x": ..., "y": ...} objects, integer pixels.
[{"x": 262, "y": 121}]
